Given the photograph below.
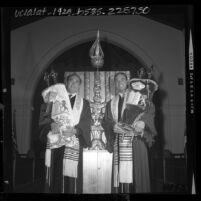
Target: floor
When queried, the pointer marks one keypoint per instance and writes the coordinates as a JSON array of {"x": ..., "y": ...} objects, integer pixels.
[
  {"x": 157, "y": 187},
  {"x": 24, "y": 182}
]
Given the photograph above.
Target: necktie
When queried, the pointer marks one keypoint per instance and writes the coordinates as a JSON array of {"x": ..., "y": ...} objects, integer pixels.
[
  {"x": 121, "y": 100},
  {"x": 72, "y": 100}
]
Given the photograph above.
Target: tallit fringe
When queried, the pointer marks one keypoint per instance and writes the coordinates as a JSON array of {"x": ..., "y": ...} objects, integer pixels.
[
  {"x": 116, "y": 176},
  {"x": 70, "y": 168},
  {"x": 47, "y": 157},
  {"x": 126, "y": 172}
]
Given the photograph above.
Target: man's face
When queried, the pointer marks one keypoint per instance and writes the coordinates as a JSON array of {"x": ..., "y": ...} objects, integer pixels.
[
  {"x": 73, "y": 84},
  {"x": 120, "y": 82}
]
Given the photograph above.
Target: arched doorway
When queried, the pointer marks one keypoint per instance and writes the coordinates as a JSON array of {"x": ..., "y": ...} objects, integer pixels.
[{"x": 77, "y": 59}]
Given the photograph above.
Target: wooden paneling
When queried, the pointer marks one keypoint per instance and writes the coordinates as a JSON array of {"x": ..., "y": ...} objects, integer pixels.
[{"x": 97, "y": 171}]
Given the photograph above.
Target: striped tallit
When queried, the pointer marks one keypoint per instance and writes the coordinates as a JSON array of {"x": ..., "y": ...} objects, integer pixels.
[
  {"x": 70, "y": 160},
  {"x": 123, "y": 160}
]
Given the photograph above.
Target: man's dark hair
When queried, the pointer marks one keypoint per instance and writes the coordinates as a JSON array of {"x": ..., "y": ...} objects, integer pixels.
[
  {"x": 69, "y": 76},
  {"x": 120, "y": 73}
]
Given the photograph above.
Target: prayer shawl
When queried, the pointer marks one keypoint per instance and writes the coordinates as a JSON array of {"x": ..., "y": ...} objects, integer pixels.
[
  {"x": 63, "y": 113},
  {"x": 123, "y": 144},
  {"x": 123, "y": 163}
]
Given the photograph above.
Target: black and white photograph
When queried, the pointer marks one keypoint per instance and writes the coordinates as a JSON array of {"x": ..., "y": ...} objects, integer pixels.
[{"x": 98, "y": 100}]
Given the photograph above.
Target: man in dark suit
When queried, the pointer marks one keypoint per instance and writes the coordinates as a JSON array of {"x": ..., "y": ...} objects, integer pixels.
[{"x": 64, "y": 161}]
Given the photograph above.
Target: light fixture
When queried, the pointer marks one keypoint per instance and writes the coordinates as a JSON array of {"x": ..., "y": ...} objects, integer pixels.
[{"x": 96, "y": 53}]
